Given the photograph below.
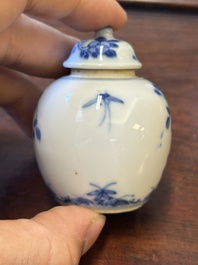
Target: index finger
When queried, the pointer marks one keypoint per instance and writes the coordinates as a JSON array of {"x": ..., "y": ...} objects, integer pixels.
[{"x": 84, "y": 15}]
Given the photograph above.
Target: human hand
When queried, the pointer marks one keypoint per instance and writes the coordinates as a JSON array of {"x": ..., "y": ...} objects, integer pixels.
[
  {"x": 29, "y": 47},
  {"x": 56, "y": 237},
  {"x": 32, "y": 47}
]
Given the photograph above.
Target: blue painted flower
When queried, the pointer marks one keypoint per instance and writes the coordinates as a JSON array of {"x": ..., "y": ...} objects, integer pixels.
[
  {"x": 104, "y": 99},
  {"x": 98, "y": 47},
  {"x": 36, "y": 130}
]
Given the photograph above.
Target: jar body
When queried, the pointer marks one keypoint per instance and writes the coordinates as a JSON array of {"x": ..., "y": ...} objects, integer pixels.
[{"x": 102, "y": 143}]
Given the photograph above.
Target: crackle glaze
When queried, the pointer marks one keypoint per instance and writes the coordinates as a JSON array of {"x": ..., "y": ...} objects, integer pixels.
[{"x": 102, "y": 135}]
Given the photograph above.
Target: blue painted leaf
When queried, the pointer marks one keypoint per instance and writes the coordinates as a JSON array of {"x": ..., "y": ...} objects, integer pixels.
[
  {"x": 113, "y": 41},
  {"x": 116, "y": 99},
  {"x": 110, "y": 53},
  {"x": 113, "y": 45},
  {"x": 168, "y": 123},
  {"x": 93, "y": 193},
  {"x": 105, "y": 187},
  {"x": 94, "y": 185},
  {"x": 119, "y": 202},
  {"x": 110, "y": 192},
  {"x": 38, "y": 133},
  {"x": 134, "y": 57},
  {"x": 168, "y": 110},
  {"x": 158, "y": 92},
  {"x": 89, "y": 103}
]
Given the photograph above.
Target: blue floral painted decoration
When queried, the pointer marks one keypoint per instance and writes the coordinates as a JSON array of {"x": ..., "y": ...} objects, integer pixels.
[
  {"x": 157, "y": 91},
  {"x": 134, "y": 57},
  {"x": 168, "y": 119},
  {"x": 103, "y": 196},
  {"x": 103, "y": 99},
  {"x": 103, "y": 51},
  {"x": 100, "y": 46},
  {"x": 36, "y": 130}
]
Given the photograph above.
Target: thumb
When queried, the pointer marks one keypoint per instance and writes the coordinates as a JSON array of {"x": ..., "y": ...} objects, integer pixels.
[{"x": 58, "y": 236}]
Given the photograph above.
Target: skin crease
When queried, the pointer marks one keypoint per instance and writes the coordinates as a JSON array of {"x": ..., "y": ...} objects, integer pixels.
[{"x": 60, "y": 235}]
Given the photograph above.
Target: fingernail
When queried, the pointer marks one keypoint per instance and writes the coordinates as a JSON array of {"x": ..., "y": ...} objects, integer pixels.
[{"x": 93, "y": 231}]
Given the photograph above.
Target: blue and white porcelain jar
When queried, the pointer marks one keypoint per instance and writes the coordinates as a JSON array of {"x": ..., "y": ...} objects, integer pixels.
[{"x": 102, "y": 134}]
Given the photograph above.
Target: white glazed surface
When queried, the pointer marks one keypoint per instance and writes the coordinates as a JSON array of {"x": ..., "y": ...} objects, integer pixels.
[{"x": 102, "y": 142}]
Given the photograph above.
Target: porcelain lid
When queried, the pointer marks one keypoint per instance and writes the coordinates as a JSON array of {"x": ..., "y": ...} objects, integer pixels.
[{"x": 102, "y": 52}]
